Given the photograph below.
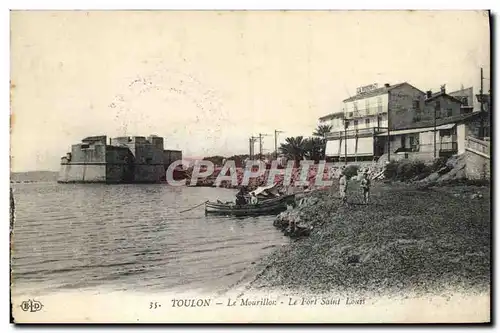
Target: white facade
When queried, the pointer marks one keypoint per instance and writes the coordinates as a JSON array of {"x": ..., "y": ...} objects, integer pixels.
[
  {"x": 368, "y": 112},
  {"x": 334, "y": 120}
]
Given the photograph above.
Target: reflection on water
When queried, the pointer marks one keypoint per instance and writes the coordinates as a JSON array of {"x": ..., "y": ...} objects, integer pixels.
[{"x": 130, "y": 237}]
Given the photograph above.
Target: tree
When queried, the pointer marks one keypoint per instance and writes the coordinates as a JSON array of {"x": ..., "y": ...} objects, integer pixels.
[
  {"x": 322, "y": 130},
  {"x": 293, "y": 148},
  {"x": 314, "y": 149},
  {"x": 217, "y": 159}
]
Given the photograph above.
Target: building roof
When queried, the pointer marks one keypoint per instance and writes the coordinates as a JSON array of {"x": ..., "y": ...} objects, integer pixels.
[
  {"x": 376, "y": 92},
  {"x": 339, "y": 114},
  {"x": 417, "y": 130},
  {"x": 442, "y": 94},
  {"x": 443, "y": 121}
]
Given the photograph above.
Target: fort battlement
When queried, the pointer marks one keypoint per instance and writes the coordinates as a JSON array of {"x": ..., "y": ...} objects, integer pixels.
[{"x": 128, "y": 159}]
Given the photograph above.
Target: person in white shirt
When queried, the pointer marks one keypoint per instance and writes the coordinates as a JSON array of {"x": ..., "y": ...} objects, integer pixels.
[
  {"x": 343, "y": 187},
  {"x": 253, "y": 199}
]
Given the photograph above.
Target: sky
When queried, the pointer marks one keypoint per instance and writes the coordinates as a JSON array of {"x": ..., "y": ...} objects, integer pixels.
[{"x": 206, "y": 81}]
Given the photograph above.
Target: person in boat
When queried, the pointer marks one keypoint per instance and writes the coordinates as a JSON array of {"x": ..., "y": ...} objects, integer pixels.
[
  {"x": 343, "y": 187},
  {"x": 365, "y": 187},
  {"x": 253, "y": 199},
  {"x": 240, "y": 197}
]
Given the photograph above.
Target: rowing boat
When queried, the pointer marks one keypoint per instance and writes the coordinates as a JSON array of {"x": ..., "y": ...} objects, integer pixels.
[{"x": 266, "y": 207}]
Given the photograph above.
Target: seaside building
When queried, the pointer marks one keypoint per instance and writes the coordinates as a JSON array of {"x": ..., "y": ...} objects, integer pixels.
[
  {"x": 401, "y": 121},
  {"x": 134, "y": 159},
  {"x": 371, "y": 111}
]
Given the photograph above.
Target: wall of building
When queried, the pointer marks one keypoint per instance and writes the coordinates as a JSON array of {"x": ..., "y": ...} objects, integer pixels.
[
  {"x": 332, "y": 148},
  {"x": 374, "y": 121},
  {"x": 335, "y": 121},
  {"x": 477, "y": 166},
  {"x": 95, "y": 153},
  {"x": 87, "y": 163},
  {"x": 126, "y": 159},
  {"x": 448, "y": 108},
  {"x": 120, "y": 165},
  {"x": 367, "y": 106},
  {"x": 149, "y": 173},
  {"x": 82, "y": 173},
  {"x": 156, "y": 141},
  {"x": 466, "y": 95},
  {"x": 461, "y": 136},
  {"x": 413, "y": 156},
  {"x": 362, "y": 146},
  {"x": 403, "y": 111},
  {"x": 170, "y": 156}
]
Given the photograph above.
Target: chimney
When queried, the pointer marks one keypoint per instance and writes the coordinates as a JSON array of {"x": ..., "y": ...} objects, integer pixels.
[
  {"x": 429, "y": 93},
  {"x": 443, "y": 88},
  {"x": 387, "y": 85}
]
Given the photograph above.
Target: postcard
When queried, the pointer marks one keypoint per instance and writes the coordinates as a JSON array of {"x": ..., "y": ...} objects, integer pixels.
[{"x": 250, "y": 166}]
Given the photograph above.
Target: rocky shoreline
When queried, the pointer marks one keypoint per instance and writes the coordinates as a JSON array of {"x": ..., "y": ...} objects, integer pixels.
[{"x": 408, "y": 238}]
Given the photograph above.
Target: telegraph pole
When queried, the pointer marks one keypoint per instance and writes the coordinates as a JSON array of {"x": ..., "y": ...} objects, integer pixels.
[
  {"x": 481, "y": 117},
  {"x": 276, "y": 132},
  {"x": 260, "y": 144},
  {"x": 435, "y": 130},
  {"x": 346, "y": 124},
  {"x": 389, "y": 128},
  {"x": 252, "y": 141}
]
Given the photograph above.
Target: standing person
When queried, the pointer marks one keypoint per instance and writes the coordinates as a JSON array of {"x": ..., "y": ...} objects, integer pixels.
[
  {"x": 240, "y": 197},
  {"x": 365, "y": 187},
  {"x": 253, "y": 199},
  {"x": 343, "y": 187}
]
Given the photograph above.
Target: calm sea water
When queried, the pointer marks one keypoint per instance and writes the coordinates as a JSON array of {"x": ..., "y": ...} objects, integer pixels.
[{"x": 131, "y": 237}]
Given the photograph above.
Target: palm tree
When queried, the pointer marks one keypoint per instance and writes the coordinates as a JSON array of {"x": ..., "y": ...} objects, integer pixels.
[
  {"x": 293, "y": 148},
  {"x": 322, "y": 130},
  {"x": 315, "y": 149}
]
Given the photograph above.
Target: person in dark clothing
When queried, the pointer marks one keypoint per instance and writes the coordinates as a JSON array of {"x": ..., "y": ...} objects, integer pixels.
[
  {"x": 240, "y": 197},
  {"x": 365, "y": 187}
]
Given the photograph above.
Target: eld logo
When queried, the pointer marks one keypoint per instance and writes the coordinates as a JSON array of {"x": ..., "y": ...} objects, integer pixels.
[{"x": 31, "y": 305}]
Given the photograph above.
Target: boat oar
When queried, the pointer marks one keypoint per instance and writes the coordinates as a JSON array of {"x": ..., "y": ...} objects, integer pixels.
[{"x": 187, "y": 210}]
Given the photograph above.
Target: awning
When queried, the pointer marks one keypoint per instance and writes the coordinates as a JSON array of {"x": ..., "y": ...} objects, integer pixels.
[{"x": 418, "y": 130}]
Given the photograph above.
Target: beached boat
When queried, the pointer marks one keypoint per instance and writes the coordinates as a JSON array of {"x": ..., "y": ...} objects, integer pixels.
[{"x": 265, "y": 207}]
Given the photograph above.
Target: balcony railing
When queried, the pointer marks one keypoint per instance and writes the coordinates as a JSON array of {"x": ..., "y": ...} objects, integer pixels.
[
  {"x": 360, "y": 113},
  {"x": 356, "y": 132},
  {"x": 448, "y": 146},
  {"x": 478, "y": 145}
]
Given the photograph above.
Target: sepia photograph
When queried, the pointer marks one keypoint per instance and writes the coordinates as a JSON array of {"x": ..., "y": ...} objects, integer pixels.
[{"x": 250, "y": 166}]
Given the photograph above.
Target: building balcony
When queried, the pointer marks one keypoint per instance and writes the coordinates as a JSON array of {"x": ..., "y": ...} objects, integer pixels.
[
  {"x": 361, "y": 113},
  {"x": 362, "y": 132}
]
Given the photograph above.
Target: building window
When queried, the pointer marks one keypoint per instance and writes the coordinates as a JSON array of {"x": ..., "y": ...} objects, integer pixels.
[
  {"x": 367, "y": 122},
  {"x": 437, "y": 109},
  {"x": 355, "y": 107},
  {"x": 355, "y": 124},
  {"x": 416, "y": 105},
  {"x": 367, "y": 106},
  {"x": 446, "y": 132},
  {"x": 379, "y": 104},
  {"x": 149, "y": 160},
  {"x": 449, "y": 112},
  {"x": 350, "y": 114},
  {"x": 465, "y": 101}
]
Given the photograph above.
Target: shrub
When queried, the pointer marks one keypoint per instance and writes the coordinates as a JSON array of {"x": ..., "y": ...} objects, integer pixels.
[
  {"x": 406, "y": 170},
  {"x": 438, "y": 163},
  {"x": 390, "y": 171}
]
